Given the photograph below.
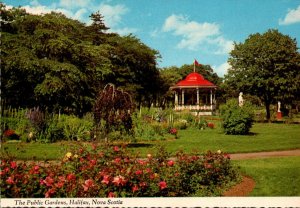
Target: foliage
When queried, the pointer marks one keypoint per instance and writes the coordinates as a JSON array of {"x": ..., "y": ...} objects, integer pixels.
[
  {"x": 237, "y": 119},
  {"x": 111, "y": 171},
  {"x": 266, "y": 65},
  {"x": 114, "y": 107},
  {"x": 62, "y": 63}
]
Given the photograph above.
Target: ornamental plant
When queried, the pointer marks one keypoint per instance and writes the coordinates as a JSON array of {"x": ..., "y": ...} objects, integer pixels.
[
  {"x": 237, "y": 120},
  {"x": 112, "y": 171}
]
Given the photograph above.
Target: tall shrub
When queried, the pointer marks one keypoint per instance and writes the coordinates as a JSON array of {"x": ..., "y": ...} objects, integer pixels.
[
  {"x": 112, "y": 110},
  {"x": 237, "y": 119}
]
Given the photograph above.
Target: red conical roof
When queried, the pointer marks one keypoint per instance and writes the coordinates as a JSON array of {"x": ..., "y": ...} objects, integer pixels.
[{"x": 194, "y": 80}]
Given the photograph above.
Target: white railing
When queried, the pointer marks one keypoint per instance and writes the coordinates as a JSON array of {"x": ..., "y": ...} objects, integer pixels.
[{"x": 195, "y": 107}]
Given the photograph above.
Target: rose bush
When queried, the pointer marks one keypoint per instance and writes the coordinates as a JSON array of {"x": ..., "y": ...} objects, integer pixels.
[{"x": 112, "y": 171}]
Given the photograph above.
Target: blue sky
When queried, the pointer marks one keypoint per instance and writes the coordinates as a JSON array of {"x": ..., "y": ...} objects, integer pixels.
[{"x": 182, "y": 30}]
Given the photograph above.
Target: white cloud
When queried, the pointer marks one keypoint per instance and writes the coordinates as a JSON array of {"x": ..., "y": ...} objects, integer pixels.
[
  {"x": 124, "y": 31},
  {"x": 195, "y": 34},
  {"x": 112, "y": 14},
  {"x": 222, "y": 69},
  {"x": 75, "y": 4},
  {"x": 292, "y": 17}
]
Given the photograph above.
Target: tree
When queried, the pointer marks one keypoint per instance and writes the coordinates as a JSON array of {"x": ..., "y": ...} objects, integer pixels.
[
  {"x": 56, "y": 62},
  {"x": 265, "y": 65}
]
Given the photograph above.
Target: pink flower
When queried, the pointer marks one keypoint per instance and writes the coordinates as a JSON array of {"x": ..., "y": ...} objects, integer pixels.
[
  {"x": 227, "y": 156},
  {"x": 111, "y": 195},
  {"x": 105, "y": 179},
  {"x": 60, "y": 184},
  {"x": 116, "y": 149},
  {"x": 207, "y": 165},
  {"x": 142, "y": 162},
  {"x": 71, "y": 177},
  {"x": 93, "y": 162},
  {"x": 173, "y": 131},
  {"x": 171, "y": 163},
  {"x": 48, "y": 181},
  {"x": 138, "y": 172},
  {"x": 162, "y": 185},
  {"x": 135, "y": 188},
  {"x": 88, "y": 184},
  {"x": 119, "y": 180},
  {"x": 10, "y": 180},
  {"x": 143, "y": 184},
  {"x": 117, "y": 160},
  {"x": 49, "y": 193},
  {"x": 13, "y": 165}
]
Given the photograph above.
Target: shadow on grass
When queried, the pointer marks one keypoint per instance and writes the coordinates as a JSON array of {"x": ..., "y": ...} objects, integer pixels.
[{"x": 136, "y": 145}]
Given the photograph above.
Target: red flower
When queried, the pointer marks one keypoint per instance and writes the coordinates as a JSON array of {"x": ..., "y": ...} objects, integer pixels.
[
  {"x": 227, "y": 156},
  {"x": 111, "y": 195},
  {"x": 10, "y": 180},
  {"x": 171, "y": 163},
  {"x": 93, "y": 162},
  {"x": 88, "y": 184},
  {"x": 173, "y": 131},
  {"x": 71, "y": 177},
  {"x": 211, "y": 125},
  {"x": 105, "y": 179},
  {"x": 116, "y": 149},
  {"x": 143, "y": 184},
  {"x": 135, "y": 188},
  {"x": 162, "y": 185},
  {"x": 117, "y": 160},
  {"x": 138, "y": 172},
  {"x": 49, "y": 193},
  {"x": 13, "y": 165},
  {"x": 9, "y": 132},
  {"x": 48, "y": 181}
]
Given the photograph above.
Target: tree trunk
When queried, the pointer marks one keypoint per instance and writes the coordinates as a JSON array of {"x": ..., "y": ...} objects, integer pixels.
[{"x": 267, "y": 104}]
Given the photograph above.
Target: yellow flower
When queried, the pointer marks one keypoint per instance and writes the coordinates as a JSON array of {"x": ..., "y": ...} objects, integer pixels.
[
  {"x": 30, "y": 135},
  {"x": 219, "y": 151},
  {"x": 76, "y": 156},
  {"x": 68, "y": 155}
]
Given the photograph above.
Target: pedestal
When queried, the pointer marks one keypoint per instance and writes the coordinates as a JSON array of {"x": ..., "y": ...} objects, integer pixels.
[{"x": 279, "y": 115}]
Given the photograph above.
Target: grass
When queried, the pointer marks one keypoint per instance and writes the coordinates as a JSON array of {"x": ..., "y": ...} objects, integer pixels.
[
  {"x": 273, "y": 176},
  {"x": 264, "y": 137}
]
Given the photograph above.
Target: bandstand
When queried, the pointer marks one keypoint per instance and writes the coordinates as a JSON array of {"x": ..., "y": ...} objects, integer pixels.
[{"x": 195, "y": 94}]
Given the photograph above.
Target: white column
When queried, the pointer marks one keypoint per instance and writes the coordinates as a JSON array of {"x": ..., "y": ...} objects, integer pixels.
[
  {"x": 211, "y": 101},
  {"x": 182, "y": 97},
  {"x": 176, "y": 98},
  {"x": 197, "y": 96}
]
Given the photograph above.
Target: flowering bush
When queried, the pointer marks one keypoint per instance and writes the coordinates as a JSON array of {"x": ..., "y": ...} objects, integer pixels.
[
  {"x": 10, "y": 134},
  {"x": 210, "y": 125},
  {"x": 111, "y": 171}
]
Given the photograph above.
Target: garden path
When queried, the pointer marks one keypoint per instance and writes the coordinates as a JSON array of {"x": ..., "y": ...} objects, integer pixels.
[
  {"x": 247, "y": 185},
  {"x": 253, "y": 155}
]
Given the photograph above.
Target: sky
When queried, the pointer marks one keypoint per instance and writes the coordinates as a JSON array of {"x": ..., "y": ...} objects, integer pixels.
[{"x": 183, "y": 30}]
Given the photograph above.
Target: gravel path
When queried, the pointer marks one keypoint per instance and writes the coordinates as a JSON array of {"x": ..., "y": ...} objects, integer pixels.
[{"x": 253, "y": 155}]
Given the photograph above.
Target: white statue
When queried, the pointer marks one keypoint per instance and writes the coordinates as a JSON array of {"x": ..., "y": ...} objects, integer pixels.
[
  {"x": 241, "y": 100},
  {"x": 279, "y": 104}
]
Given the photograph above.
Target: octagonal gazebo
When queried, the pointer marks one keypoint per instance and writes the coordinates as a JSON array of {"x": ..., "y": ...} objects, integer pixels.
[{"x": 195, "y": 93}]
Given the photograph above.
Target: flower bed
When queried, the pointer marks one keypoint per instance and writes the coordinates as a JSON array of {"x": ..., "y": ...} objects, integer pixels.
[{"x": 111, "y": 171}]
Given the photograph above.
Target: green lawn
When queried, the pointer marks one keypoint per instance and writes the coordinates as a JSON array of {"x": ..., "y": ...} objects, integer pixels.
[
  {"x": 264, "y": 137},
  {"x": 273, "y": 176}
]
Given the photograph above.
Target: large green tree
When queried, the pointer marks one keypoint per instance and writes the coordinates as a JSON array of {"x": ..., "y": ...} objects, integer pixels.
[
  {"x": 56, "y": 62},
  {"x": 266, "y": 65}
]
